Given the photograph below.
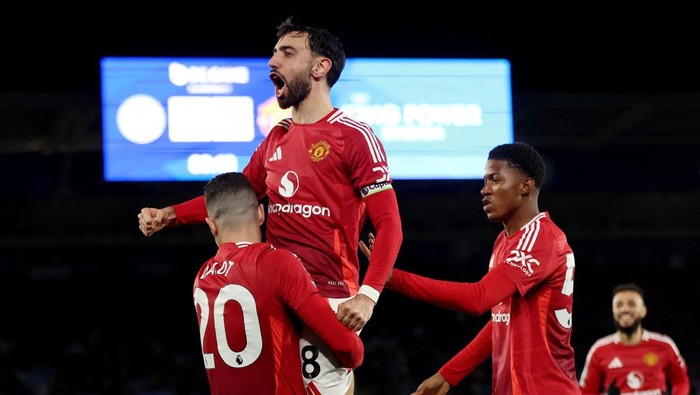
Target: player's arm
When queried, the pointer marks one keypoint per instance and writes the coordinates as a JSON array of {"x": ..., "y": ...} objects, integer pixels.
[
  {"x": 192, "y": 211},
  {"x": 469, "y": 358},
  {"x": 316, "y": 313},
  {"x": 591, "y": 381},
  {"x": 677, "y": 373},
  {"x": 471, "y": 298},
  {"x": 299, "y": 293},
  {"x": 383, "y": 210}
]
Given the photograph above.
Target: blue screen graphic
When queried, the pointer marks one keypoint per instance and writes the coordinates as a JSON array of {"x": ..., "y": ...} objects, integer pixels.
[{"x": 188, "y": 119}]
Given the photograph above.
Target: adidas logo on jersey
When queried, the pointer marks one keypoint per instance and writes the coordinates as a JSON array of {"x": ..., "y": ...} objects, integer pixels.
[
  {"x": 615, "y": 363},
  {"x": 277, "y": 155}
]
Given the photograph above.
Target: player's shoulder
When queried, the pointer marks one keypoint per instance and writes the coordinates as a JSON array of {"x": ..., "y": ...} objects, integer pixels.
[
  {"x": 341, "y": 120},
  {"x": 605, "y": 341},
  {"x": 279, "y": 256},
  {"x": 543, "y": 225},
  {"x": 545, "y": 221},
  {"x": 658, "y": 337},
  {"x": 282, "y": 126}
]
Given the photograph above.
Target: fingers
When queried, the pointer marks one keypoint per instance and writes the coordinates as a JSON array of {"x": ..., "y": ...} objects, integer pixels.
[
  {"x": 366, "y": 251},
  {"x": 355, "y": 312},
  {"x": 150, "y": 220}
]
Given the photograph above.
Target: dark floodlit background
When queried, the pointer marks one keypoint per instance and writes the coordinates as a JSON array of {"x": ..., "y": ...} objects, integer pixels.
[{"x": 93, "y": 307}]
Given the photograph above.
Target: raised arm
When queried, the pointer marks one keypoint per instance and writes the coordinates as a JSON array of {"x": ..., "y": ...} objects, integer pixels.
[{"x": 192, "y": 211}]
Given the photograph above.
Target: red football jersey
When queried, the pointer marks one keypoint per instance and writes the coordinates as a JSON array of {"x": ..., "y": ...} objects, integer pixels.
[
  {"x": 641, "y": 369},
  {"x": 532, "y": 330},
  {"x": 316, "y": 176},
  {"x": 250, "y": 342},
  {"x": 529, "y": 334}
]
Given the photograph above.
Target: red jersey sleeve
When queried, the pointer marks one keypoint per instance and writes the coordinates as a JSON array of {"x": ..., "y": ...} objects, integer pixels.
[
  {"x": 347, "y": 347},
  {"x": 471, "y": 356},
  {"x": 541, "y": 250},
  {"x": 383, "y": 211},
  {"x": 192, "y": 211},
  {"x": 471, "y": 298},
  {"x": 677, "y": 372},
  {"x": 591, "y": 376},
  {"x": 306, "y": 301}
]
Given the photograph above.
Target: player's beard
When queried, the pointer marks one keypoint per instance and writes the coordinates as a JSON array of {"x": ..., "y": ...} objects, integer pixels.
[
  {"x": 298, "y": 89},
  {"x": 629, "y": 330}
]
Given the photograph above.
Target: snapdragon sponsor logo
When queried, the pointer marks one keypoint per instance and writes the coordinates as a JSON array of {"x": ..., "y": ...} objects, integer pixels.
[
  {"x": 289, "y": 185},
  {"x": 635, "y": 380},
  {"x": 501, "y": 317},
  {"x": 306, "y": 210}
]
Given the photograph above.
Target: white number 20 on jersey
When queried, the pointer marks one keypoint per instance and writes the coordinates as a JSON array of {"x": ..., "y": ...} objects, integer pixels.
[{"x": 233, "y": 358}]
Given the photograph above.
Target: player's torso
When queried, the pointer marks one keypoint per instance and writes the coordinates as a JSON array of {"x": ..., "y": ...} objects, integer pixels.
[
  {"x": 245, "y": 330},
  {"x": 638, "y": 368},
  {"x": 536, "y": 327},
  {"x": 313, "y": 203}
]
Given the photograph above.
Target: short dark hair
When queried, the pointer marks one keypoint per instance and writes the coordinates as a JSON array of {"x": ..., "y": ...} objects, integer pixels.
[
  {"x": 321, "y": 42},
  {"x": 523, "y": 157},
  {"x": 627, "y": 287},
  {"x": 229, "y": 194}
]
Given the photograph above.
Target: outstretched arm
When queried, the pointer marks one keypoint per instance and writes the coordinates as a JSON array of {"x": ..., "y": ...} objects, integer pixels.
[
  {"x": 192, "y": 211},
  {"x": 471, "y": 298}
]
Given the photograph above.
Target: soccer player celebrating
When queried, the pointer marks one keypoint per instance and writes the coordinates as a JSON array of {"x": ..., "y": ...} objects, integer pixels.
[
  {"x": 245, "y": 297},
  {"x": 528, "y": 288},
  {"x": 633, "y": 360},
  {"x": 323, "y": 173}
]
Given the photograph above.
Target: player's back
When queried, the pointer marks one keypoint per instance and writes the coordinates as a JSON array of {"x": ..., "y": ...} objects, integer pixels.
[{"x": 250, "y": 343}]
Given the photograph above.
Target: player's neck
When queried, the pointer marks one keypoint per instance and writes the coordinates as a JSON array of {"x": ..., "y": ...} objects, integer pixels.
[
  {"x": 520, "y": 218},
  {"x": 312, "y": 109},
  {"x": 631, "y": 339},
  {"x": 250, "y": 234}
]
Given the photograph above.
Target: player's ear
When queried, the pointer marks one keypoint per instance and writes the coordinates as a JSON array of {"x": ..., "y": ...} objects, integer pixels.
[
  {"x": 261, "y": 214},
  {"x": 322, "y": 66},
  {"x": 527, "y": 187},
  {"x": 212, "y": 226}
]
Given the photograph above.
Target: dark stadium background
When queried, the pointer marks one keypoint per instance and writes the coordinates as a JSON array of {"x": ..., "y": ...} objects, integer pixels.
[{"x": 612, "y": 100}]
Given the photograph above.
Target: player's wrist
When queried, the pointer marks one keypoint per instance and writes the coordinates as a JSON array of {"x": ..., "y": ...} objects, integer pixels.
[{"x": 369, "y": 292}]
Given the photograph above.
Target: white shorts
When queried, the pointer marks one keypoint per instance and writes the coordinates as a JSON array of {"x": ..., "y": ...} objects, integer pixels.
[{"x": 322, "y": 373}]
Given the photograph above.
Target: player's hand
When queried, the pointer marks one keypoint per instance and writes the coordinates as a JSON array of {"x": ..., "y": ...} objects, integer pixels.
[
  {"x": 434, "y": 385},
  {"x": 355, "y": 312},
  {"x": 367, "y": 248},
  {"x": 152, "y": 220}
]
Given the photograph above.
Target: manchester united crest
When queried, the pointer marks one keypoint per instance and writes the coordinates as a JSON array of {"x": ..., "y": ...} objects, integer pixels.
[
  {"x": 319, "y": 151},
  {"x": 651, "y": 359}
]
